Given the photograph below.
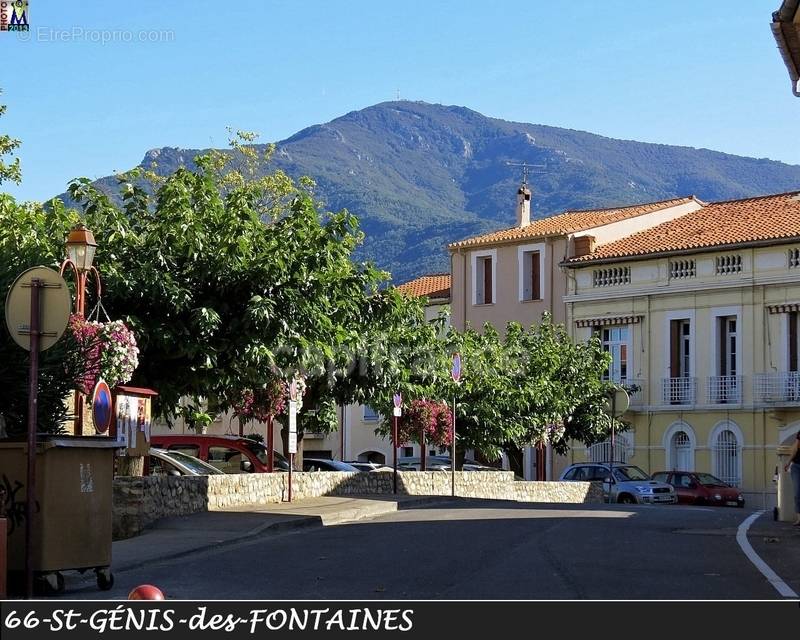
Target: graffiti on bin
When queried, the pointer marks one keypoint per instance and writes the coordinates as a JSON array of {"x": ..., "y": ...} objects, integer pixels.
[{"x": 13, "y": 508}]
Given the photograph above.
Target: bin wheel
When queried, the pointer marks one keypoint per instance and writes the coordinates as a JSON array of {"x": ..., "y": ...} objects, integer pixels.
[
  {"x": 105, "y": 579},
  {"x": 51, "y": 583}
]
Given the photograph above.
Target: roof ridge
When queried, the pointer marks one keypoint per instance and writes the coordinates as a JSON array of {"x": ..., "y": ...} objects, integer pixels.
[
  {"x": 761, "y": 197},
  {"x": 627, "y": 206}
]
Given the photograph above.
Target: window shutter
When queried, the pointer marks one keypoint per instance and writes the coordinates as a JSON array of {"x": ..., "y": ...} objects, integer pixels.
[
  {"x": 536, "y": 293},
  {"x": 675, "y": 348},
  {"x": 487, "y": 281},
  {"x": 793, "y": 341}
]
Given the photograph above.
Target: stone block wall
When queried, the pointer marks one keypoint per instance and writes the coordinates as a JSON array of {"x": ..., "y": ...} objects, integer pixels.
[{"x": 138, "y": 502}]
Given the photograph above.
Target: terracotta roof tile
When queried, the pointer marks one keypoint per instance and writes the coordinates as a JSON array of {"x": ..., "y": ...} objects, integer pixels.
[
  {"x": 569, "y": 222},
  {"x": 716, "y": 224},
  {"x": 433, "y": 286}
]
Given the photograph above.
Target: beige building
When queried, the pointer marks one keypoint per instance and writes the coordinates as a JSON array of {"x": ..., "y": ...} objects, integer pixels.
[
  {"x": 702, "y": 313},
  {"x": 516, "y": 274}
]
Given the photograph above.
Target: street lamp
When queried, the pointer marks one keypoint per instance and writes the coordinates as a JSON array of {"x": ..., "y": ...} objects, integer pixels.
[
  {"x": 618, "y": 403},
  {"x": 80, "y": 255}
]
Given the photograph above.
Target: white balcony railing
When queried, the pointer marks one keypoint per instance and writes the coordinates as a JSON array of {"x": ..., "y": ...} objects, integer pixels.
[
  {"x": 777, "y": 388},
  {"x": 724, "y": 389},
  {"x": 678, "y": 390}
]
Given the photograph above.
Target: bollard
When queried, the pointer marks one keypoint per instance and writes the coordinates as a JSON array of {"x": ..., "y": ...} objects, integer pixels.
[{"x": 146, "y": 592}]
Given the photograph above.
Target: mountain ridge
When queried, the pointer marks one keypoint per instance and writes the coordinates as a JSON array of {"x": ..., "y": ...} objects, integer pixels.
[{"x": 420, "y": 176}]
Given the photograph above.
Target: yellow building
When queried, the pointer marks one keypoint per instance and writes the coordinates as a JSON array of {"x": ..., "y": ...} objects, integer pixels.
[
  {"x": 515, "y": 274},
  {"x": 702, "y": 313}
]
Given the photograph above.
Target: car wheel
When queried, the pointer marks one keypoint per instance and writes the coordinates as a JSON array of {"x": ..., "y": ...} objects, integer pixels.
[{"x": 626, "y": 498}]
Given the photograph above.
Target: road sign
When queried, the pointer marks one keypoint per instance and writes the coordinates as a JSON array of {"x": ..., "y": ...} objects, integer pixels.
[
  {"x": 293, "y": 390},
  {"x": 101, "y": 407},
  {"x": 54, "y": 306},
  {"x": 292, "y": 442},
  {"x": 617, "y": 402},
  {"x": 456, "y": 370},
  {"x": 398, "y": 403},
  {"x": 292, "y": 416}
]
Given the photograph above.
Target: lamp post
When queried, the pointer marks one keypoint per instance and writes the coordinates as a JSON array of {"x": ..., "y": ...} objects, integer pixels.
[
  {"x": 81, "y": 248},
  {"x": 618, "y": 403}
]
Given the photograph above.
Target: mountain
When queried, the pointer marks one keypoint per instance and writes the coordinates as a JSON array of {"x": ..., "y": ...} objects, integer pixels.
[{"x": 420, "y": 176}]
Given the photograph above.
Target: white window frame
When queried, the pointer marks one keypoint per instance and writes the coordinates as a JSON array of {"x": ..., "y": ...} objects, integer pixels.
[
  {"x": 684, "y": 314},
  {"x": 726, "y": 425},
  {"x": 523, "y": 269},
  {"x": 488, "y": 253},
  {"x": 716, "y": 314},
  {"x": 628, "y": 351},
  {"x": 669, "y": 434}
]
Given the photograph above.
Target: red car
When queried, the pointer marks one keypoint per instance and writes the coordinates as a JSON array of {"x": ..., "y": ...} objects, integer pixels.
[
  {"x": 693, "y": 487},
  {"x": 230, "y": 454}
]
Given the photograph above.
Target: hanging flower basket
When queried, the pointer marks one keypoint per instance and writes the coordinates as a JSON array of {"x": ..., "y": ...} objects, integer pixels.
[
  {"x": 430, "y": 416},
  {"x": 106, "y": 350}
]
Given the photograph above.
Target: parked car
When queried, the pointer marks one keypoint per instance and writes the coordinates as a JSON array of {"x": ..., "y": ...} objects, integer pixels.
[
  {"x": 161, "y": 462},
  {"x": 432, "y": 463},
  {"x": 319, "y": 464},
  {"x": 694, "y": 487},
  {"x": 369, "y": 466},
  {"x": 626, "y": 483},
  {"x": 229, "y": 454}
]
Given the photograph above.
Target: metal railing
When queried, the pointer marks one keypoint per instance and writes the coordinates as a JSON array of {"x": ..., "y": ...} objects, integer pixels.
[
  {"x": 601, "y": 452},
  {"x": 777, "y": 388},
  {"x": 724, "y": 389},
  {"x": 678, "y": 390}
]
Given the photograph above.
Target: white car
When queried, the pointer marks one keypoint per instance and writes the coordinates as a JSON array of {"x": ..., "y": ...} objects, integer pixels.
[
  {"x": 624, "y": 483},
  {"x": 370, "y": 466}
]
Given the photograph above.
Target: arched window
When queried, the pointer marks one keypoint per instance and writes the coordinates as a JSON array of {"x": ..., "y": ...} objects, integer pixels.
[
  {"x": 682, "y": 453},
  {"x": 726, "y": 455}
]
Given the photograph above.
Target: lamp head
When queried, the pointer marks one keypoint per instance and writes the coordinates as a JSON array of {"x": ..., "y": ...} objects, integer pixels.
[{"x": 81, "y": 247}]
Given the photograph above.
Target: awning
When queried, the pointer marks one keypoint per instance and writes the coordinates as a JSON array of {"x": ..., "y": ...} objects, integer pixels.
[
  {"x": 784, "y": 307},
  {"x": 608, "y": 320}
]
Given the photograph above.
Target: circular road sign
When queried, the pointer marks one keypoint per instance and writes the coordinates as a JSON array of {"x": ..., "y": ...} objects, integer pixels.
[
  {"x": 398, "y": 400},
  {"x": 54, "y": 307},
  {"x": 101, "y": 406},
  {"x": 456, "y": 370},
  {"x": 619, "y": 400}
]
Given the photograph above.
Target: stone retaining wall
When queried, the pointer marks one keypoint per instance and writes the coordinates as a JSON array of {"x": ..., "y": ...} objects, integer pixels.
[{"x": 138, "y": 502}]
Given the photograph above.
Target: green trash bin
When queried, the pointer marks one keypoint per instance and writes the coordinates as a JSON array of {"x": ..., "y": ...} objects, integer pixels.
[{"x": 72, "y": 510}]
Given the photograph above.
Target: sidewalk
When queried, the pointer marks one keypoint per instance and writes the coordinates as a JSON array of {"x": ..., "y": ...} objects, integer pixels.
[
  {"x": 178, "y": 536},
  {"x": 778, "y": 544}
]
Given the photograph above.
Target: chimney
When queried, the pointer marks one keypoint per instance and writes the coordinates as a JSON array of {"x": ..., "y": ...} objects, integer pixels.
[
  {"x": 523, "y": 206},
  {"x": 583, "y": 246}
]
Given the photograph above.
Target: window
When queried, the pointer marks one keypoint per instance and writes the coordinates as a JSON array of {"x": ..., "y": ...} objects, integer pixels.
[
  {"x": 728, "y": 264},
  {"x": 726, "y": 331},
  {"x": 679, "y": 269},
  {"x": 611, "y": 277},
  {"x": 484, "y": 292},
  {"x": 408, "y": 452},
  {"x": 370, "y": 415},
  {"x": 682, "y": 454},
  {"x": 188, "y": 449},
  {"x": 793, "y": 317},
  {"x": 530, "y": 266},
  {"x": 228, "y": 460},
  {"x": 726, "y": 457},
  {"x": 615, "y": 341},
  {"x": 794, "y": 258},
  {"x": 680, "y": 348}
]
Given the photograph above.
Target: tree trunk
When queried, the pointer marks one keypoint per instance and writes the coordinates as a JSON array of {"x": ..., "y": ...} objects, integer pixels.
[
  {"x": 130, "y": 466},
  {"x": 461, "y": 453},
  {"x": 515, "y": 459}
]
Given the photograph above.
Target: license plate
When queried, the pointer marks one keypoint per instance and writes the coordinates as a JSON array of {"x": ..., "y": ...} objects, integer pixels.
[
  {"x": 732, "y": 503},
  {"x": 663, "y": 499}
]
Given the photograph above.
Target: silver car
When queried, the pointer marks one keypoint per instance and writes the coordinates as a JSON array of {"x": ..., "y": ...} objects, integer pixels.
[{"x": 628, "y": 484}]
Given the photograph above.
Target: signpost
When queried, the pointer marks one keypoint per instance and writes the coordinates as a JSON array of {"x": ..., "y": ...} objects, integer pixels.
[
  {"x": 455, "y": 372},
  {"x": 618, "y": 403},
  {"x": 398, "y": 403},
  {"x": 292, "y": 433},
  {"x": 36, "y": 319}
]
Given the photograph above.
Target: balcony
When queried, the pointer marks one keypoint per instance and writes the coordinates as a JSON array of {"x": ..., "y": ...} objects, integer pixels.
[
  {"x": 777, "y": 388},
  {"x": 724, "y": 389},
  {"x": 681, "y": 391}
]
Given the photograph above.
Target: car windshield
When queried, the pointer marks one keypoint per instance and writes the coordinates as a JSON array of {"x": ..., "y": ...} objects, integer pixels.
[
  {"x": 707, "y": 480},
  {"x": 624, "y": 474},
  {"x": 198, "y": 466}
]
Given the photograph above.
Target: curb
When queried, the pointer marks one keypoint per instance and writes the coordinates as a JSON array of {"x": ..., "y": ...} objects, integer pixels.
[{"x": 298, "y": 523}]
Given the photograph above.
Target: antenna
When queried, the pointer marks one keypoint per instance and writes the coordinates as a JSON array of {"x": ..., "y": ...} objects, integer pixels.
[
  {"x": 398, "y": 95},
  {"x": 526, "y": 169}
]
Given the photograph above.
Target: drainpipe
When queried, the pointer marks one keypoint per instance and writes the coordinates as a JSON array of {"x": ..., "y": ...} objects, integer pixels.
[{"x": 464, "y": 288}]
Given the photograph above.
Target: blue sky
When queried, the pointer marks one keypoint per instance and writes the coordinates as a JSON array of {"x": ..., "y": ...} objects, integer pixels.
[{"x": 701, "y": 73}]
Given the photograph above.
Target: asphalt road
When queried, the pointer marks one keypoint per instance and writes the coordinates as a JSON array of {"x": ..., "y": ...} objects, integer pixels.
[{"x": 475, "y": 550}]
